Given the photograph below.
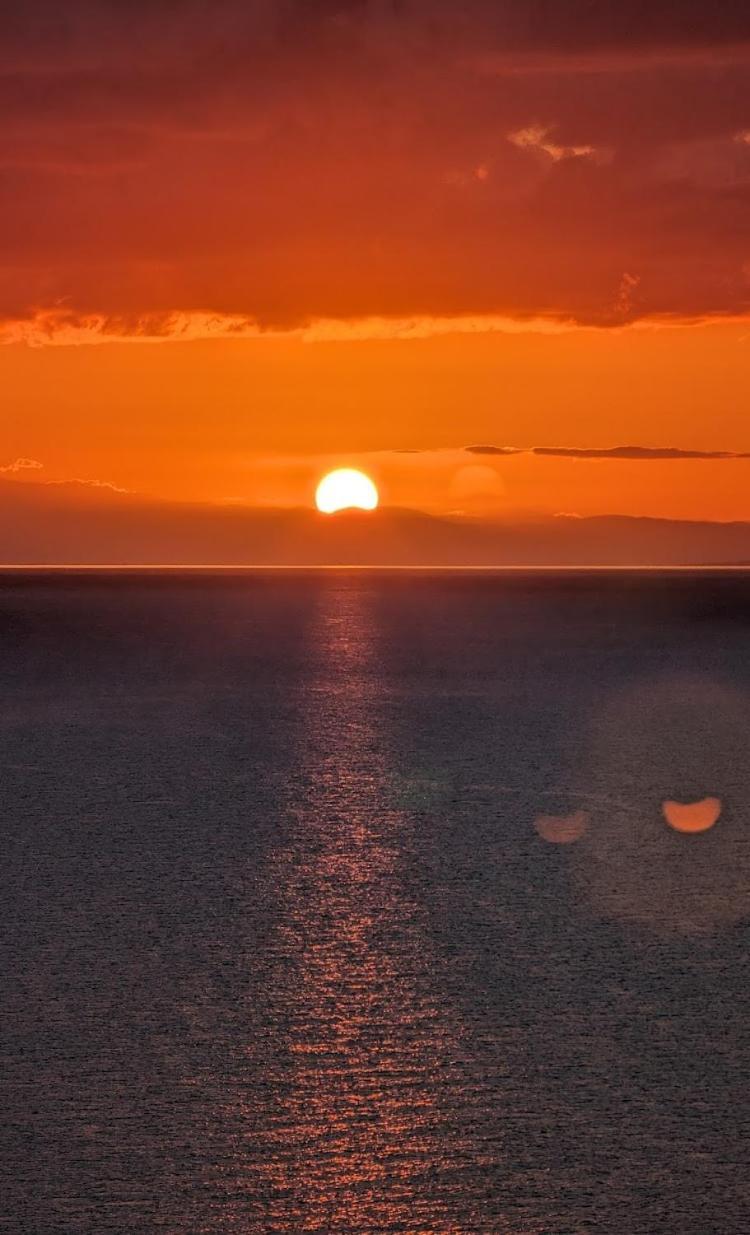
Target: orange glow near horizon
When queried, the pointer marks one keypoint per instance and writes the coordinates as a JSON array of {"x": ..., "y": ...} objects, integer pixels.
[
  {"x": 178, "y": 433},
  {"x": 258, "y": 422},
  {"x": 245, "y": 257}
]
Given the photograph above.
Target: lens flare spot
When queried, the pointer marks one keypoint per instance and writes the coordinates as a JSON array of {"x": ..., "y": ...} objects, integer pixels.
[
  {"x": 692, "y": 817},
  {"x": 562, "y": 829}
]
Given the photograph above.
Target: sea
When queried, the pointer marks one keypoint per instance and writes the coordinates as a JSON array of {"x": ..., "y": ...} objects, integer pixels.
[{"x": 367, "y": 901}]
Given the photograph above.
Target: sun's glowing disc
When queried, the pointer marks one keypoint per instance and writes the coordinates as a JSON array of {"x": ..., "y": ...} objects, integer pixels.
[{"x": 343, "y": 489}]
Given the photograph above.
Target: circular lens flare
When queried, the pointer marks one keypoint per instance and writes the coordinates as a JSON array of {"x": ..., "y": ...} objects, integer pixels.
[{"x": 343, "y": 489}]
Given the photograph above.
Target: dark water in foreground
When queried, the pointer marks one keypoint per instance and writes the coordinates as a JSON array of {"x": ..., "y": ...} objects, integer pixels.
[{"x": 282, "y": 949}]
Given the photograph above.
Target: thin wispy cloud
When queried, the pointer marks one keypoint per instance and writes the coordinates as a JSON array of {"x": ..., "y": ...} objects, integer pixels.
[
  {"x": 78, "y": 482},
  {"x": 496, "y": 450},
  {"x": 73, "y": 482},
  {"x": 610, "y": 452},
  {"x": 65, "y": 328},
  {"x": 540, "y": 138},
  {"x": 22, "y": 465}
]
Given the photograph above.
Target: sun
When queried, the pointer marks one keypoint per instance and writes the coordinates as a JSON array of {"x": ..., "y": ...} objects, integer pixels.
[{"x": 344, "y": 488}]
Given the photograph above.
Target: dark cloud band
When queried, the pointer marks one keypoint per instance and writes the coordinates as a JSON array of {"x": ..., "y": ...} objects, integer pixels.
[{"x": 272, "y": 159}]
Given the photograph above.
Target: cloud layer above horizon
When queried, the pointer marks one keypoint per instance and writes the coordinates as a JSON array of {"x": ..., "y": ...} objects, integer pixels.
[
  {"x": 280, "y": 162},
  {"x": 636, "y": 453}
]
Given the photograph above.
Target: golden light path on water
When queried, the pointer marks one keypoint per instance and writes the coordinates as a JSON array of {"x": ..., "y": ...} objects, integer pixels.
[{"x": 369, "y": 1118}]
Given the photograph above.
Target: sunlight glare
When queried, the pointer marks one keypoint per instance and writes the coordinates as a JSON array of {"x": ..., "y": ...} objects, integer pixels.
[{"x": 343, "y": 489}]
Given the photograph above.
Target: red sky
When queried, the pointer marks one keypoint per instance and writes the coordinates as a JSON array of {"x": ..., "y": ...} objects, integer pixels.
[{"x": 245, "y": 242}]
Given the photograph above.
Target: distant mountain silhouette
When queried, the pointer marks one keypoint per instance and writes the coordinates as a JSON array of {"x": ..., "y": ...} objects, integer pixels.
[{"x": 79, "y": 523}]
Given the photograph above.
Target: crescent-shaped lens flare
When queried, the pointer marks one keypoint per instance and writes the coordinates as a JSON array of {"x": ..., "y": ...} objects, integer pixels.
[
  {"x": 692, "y": 816},
  {"x": 343, "y": 489}
]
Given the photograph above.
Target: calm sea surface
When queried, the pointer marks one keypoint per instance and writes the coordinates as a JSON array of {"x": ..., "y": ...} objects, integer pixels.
[{"x": 285, "y": 949}]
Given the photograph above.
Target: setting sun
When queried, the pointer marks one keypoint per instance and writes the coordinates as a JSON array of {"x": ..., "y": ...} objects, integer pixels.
[{"x": 343, "y": 489}]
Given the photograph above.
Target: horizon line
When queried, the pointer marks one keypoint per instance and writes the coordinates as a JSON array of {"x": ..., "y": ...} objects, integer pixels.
[{"x": 205, "y": 567}]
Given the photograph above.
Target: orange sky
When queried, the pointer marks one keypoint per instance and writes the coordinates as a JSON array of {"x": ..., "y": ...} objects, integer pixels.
[
  {"x": 244, "y": 243},
  {"x": 257, "y": 421}
]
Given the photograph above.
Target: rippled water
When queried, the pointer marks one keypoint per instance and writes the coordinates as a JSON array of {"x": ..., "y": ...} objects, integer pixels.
[{"x": 285, "y": 949}]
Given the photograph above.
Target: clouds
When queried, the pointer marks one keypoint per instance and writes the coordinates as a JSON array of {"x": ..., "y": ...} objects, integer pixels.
[
  {"x": 65, "y": 327},
  {"x": 287, "y": 163},
  {"x": 566, "y": 27},
  {"x": 639, "y": 453},
  {"x": 497, "y": 450},
  {"x": 580, "y": 26},
  {"x": 21, "y": 465},
  {"x": 537, "y": 137},
  {"x": 36, "y": 486}
]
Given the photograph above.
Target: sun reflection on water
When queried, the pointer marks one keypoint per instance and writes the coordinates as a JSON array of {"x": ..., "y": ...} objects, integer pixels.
[{"x": 359, "y": 1138}]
